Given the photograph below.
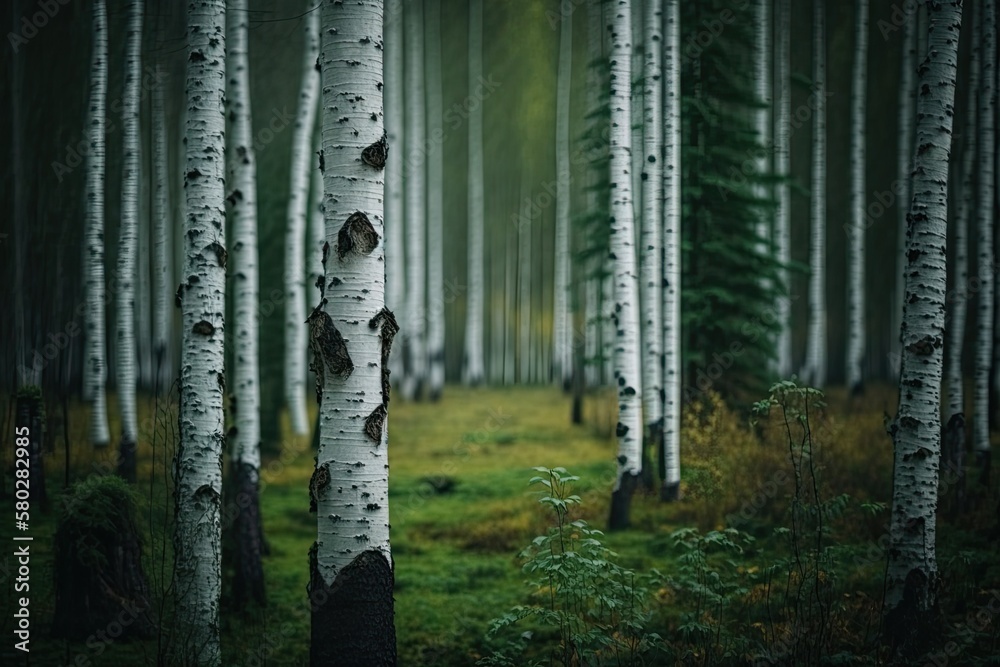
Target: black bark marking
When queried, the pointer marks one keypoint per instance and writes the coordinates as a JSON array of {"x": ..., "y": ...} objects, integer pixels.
[
  {"x": 234, "y": 197},
  {"x": 357, "y": 235},
  {"x": 390, "y": 328},
  {"x": 178, "y": 296},
  {"x": 322, "y": 164},
  {"x": 328, "y": 347},
  {"x": 318, "y": 483},
  {"x": 321, "y": 285},
  {"x": 326, "y": 252},
  {"x": 204, "y": 328},
  {"x": 374, "y": 424},
  {"x": 220, "y": 253},
  {"x": 376, "y": 154}
]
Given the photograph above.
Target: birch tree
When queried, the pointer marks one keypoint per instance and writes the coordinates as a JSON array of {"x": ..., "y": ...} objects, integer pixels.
[
  {"x": 904, "y": 165},
  {"x": 986, "y": 136},
  {"x": 626, "y": 283},
  {"x": 198, "y": 464},
  {"x": 128, "y": 245},
  {"x": 670, "y": 455},
  {"x": 473, "y": 366},
  {"x": 162, "y": 242},
  {"x": 245, "y": 395},
  {"x": 651, "y": 242},
  {"x": 957, "y": 307},
  {"x": 782, "y": 167},
  {"x": 856, "y": 229},
  {"x": 595, "y": 85},
  {"x": 295, "y": 231},
  {"x": 562, "y": 366},
  {"x": 351, "y": 574},
  {"x": 911, "y": 574},
  {"x": 317, "y": 228},
  {"x": 395, "y": 248},
  {"x": 815, "y": 371},
  {"x": 762, "y": 116},
  {"x": 524, "y": 230},
  {"x": 416, "y": 205},
  {"x": 95, "y": 360},
  {"x": 435, "y": 205}
]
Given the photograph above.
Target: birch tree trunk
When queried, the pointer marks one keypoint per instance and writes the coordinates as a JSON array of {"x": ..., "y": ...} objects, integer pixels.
[
  {"x": 958, "y": 306},
  {"x": 435, "y": 205},
  {"x": 395, "y": 247},
  {"x": 856, "y": 236},
  {"x": 815, "y": 372},
  {"x": 416, "y": 205},
  {"x": 626, "y": 283},
  {"x": 351, "y": 571},
  {"x": 911, "y": 574},
  {"x": 163, "y": 275},
  {"x": 473, "y": 367},
  {"x": 198, "y": 463},
  {"x": 651, "y": 241},
  {"x": 317, "y": 227},
  {"x": 986, "y": 136},
  {"x": 245, "y": 396},
  {"x": 128, "y": 244},
  {"x": 95, "y": 367},
  {"x": 762, "y": 118},
  {"x": 295, "y": 232},
  {"x": 524, "y": 230},
  {"x": 782, "y": 168},
  {"x": 562, "y": 359},
  {"x": 595, "y": 314},
  {"x": 904, "y": 167},
  {"x": 670, "y": 455}
]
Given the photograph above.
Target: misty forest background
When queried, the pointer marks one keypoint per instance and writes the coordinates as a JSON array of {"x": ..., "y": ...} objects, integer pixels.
[{"x": 774, "y": 552}]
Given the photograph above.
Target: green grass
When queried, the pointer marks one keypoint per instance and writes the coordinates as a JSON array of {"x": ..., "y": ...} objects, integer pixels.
[{"x": 455, "y": 553}]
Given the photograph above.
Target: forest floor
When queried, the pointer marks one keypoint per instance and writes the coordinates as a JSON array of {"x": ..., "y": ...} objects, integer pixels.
[{"x": 462, "y": 511}]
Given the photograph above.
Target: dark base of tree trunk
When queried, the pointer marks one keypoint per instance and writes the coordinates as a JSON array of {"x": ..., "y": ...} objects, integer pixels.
[
  {"x": 910, "y": 628},
  {"x": 352, "y": 619},
  {"x": 247, "y": 537},
  {"x": 576, "y": 411},
  {"x": 126, "y": 460},
  {"x": 984, "y": 461},
  {"x": 670, "y": 492},
  {"x": 621, "y": 502},
  {"x": 99, "y": 582},
  {"x": 435, "y": 395},
  {"x": 652, "y": 446}
]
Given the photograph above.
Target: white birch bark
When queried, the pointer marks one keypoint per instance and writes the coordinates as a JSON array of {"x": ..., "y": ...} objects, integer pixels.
[
  {"x": 904, "y": 166},
  {"x": 815, "y": 372},
  {"x": 762, "y": 120},
  {"x": 350, "y": 485},
  {"x": 562, "y": 359},
  {"x": 911, "y": 574},
  {"x": 595, "y": 314},
  {"x": 95, "y": 369},
  {"x": 295, "y": 231},
  {"x": 856, "y": 228},
  {"x": 636, "y": 122},
  {"x": 435, "y": 204},
  {"x": 782, "y": 168},
  {"x": 163, "y": 274},
  {"x": 243, "y": 219},
  {"x": 198, "y": 466},
  {"x": 959, "y": 304},
  {"x": 128, "y": 242},
  {"x": 473, "y": 367},
  {"x": 626, "y": 279},
  {"x": 651, "y": 240},
  {"x": 395, "y": 247},
  {"x": 986, "y": 135},
  {"x": 143, "y": 293},
  {"x": 416, "y": 205},
  {"x": 317, "y": 227},
  {"x": 671, "y": 454}
]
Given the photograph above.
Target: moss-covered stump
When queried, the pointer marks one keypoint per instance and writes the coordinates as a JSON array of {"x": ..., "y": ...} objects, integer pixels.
[
  {"x": 101, "y": 590},
  {"x": 30, "y": 423}
]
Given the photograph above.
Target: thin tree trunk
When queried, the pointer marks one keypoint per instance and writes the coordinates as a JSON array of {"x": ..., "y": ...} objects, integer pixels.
[
  {"x": 815, "y": 372},
  {"x": 317, "y": 228},
  {"x": 595, "y": 85},
  {"x": 435, "y": 205},
  {"x": 198, "y": 466},
  {"x": 912, "y": 576},
  {"x": 626, "y": 283},
  {"x": 162, "y": 241},
  {"x": 245, "y": 394},
  {"x": 986, "y": 135},
  {"x": 351, "y": 575},
  {"x": 904, "y": 167},
  {"x": 473, "y": 367},
  {"x": 856, "y": 333},
  {"x": 524, "y": 229},
  {"x": 416, "y": 206},
  {"x": 95, "y": 365},
  {"x": 562, "y": 358},
  {"x": 395, "y": 246},
  {"x": 295, "y": 232},
  {"x": 958, "y": 306},
  {"x": 128, "y": 244},
  {"x": 670, "y": 453},
  {"x": 782, "y": 168},
  {"x": 762, "y": 120}
]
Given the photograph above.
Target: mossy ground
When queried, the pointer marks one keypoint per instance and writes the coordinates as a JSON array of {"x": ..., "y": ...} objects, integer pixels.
[{"x": 461, "y": 511}]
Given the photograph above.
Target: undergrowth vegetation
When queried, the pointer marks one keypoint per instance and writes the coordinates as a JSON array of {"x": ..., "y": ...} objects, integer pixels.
[{"x": 774, "y": 555}]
